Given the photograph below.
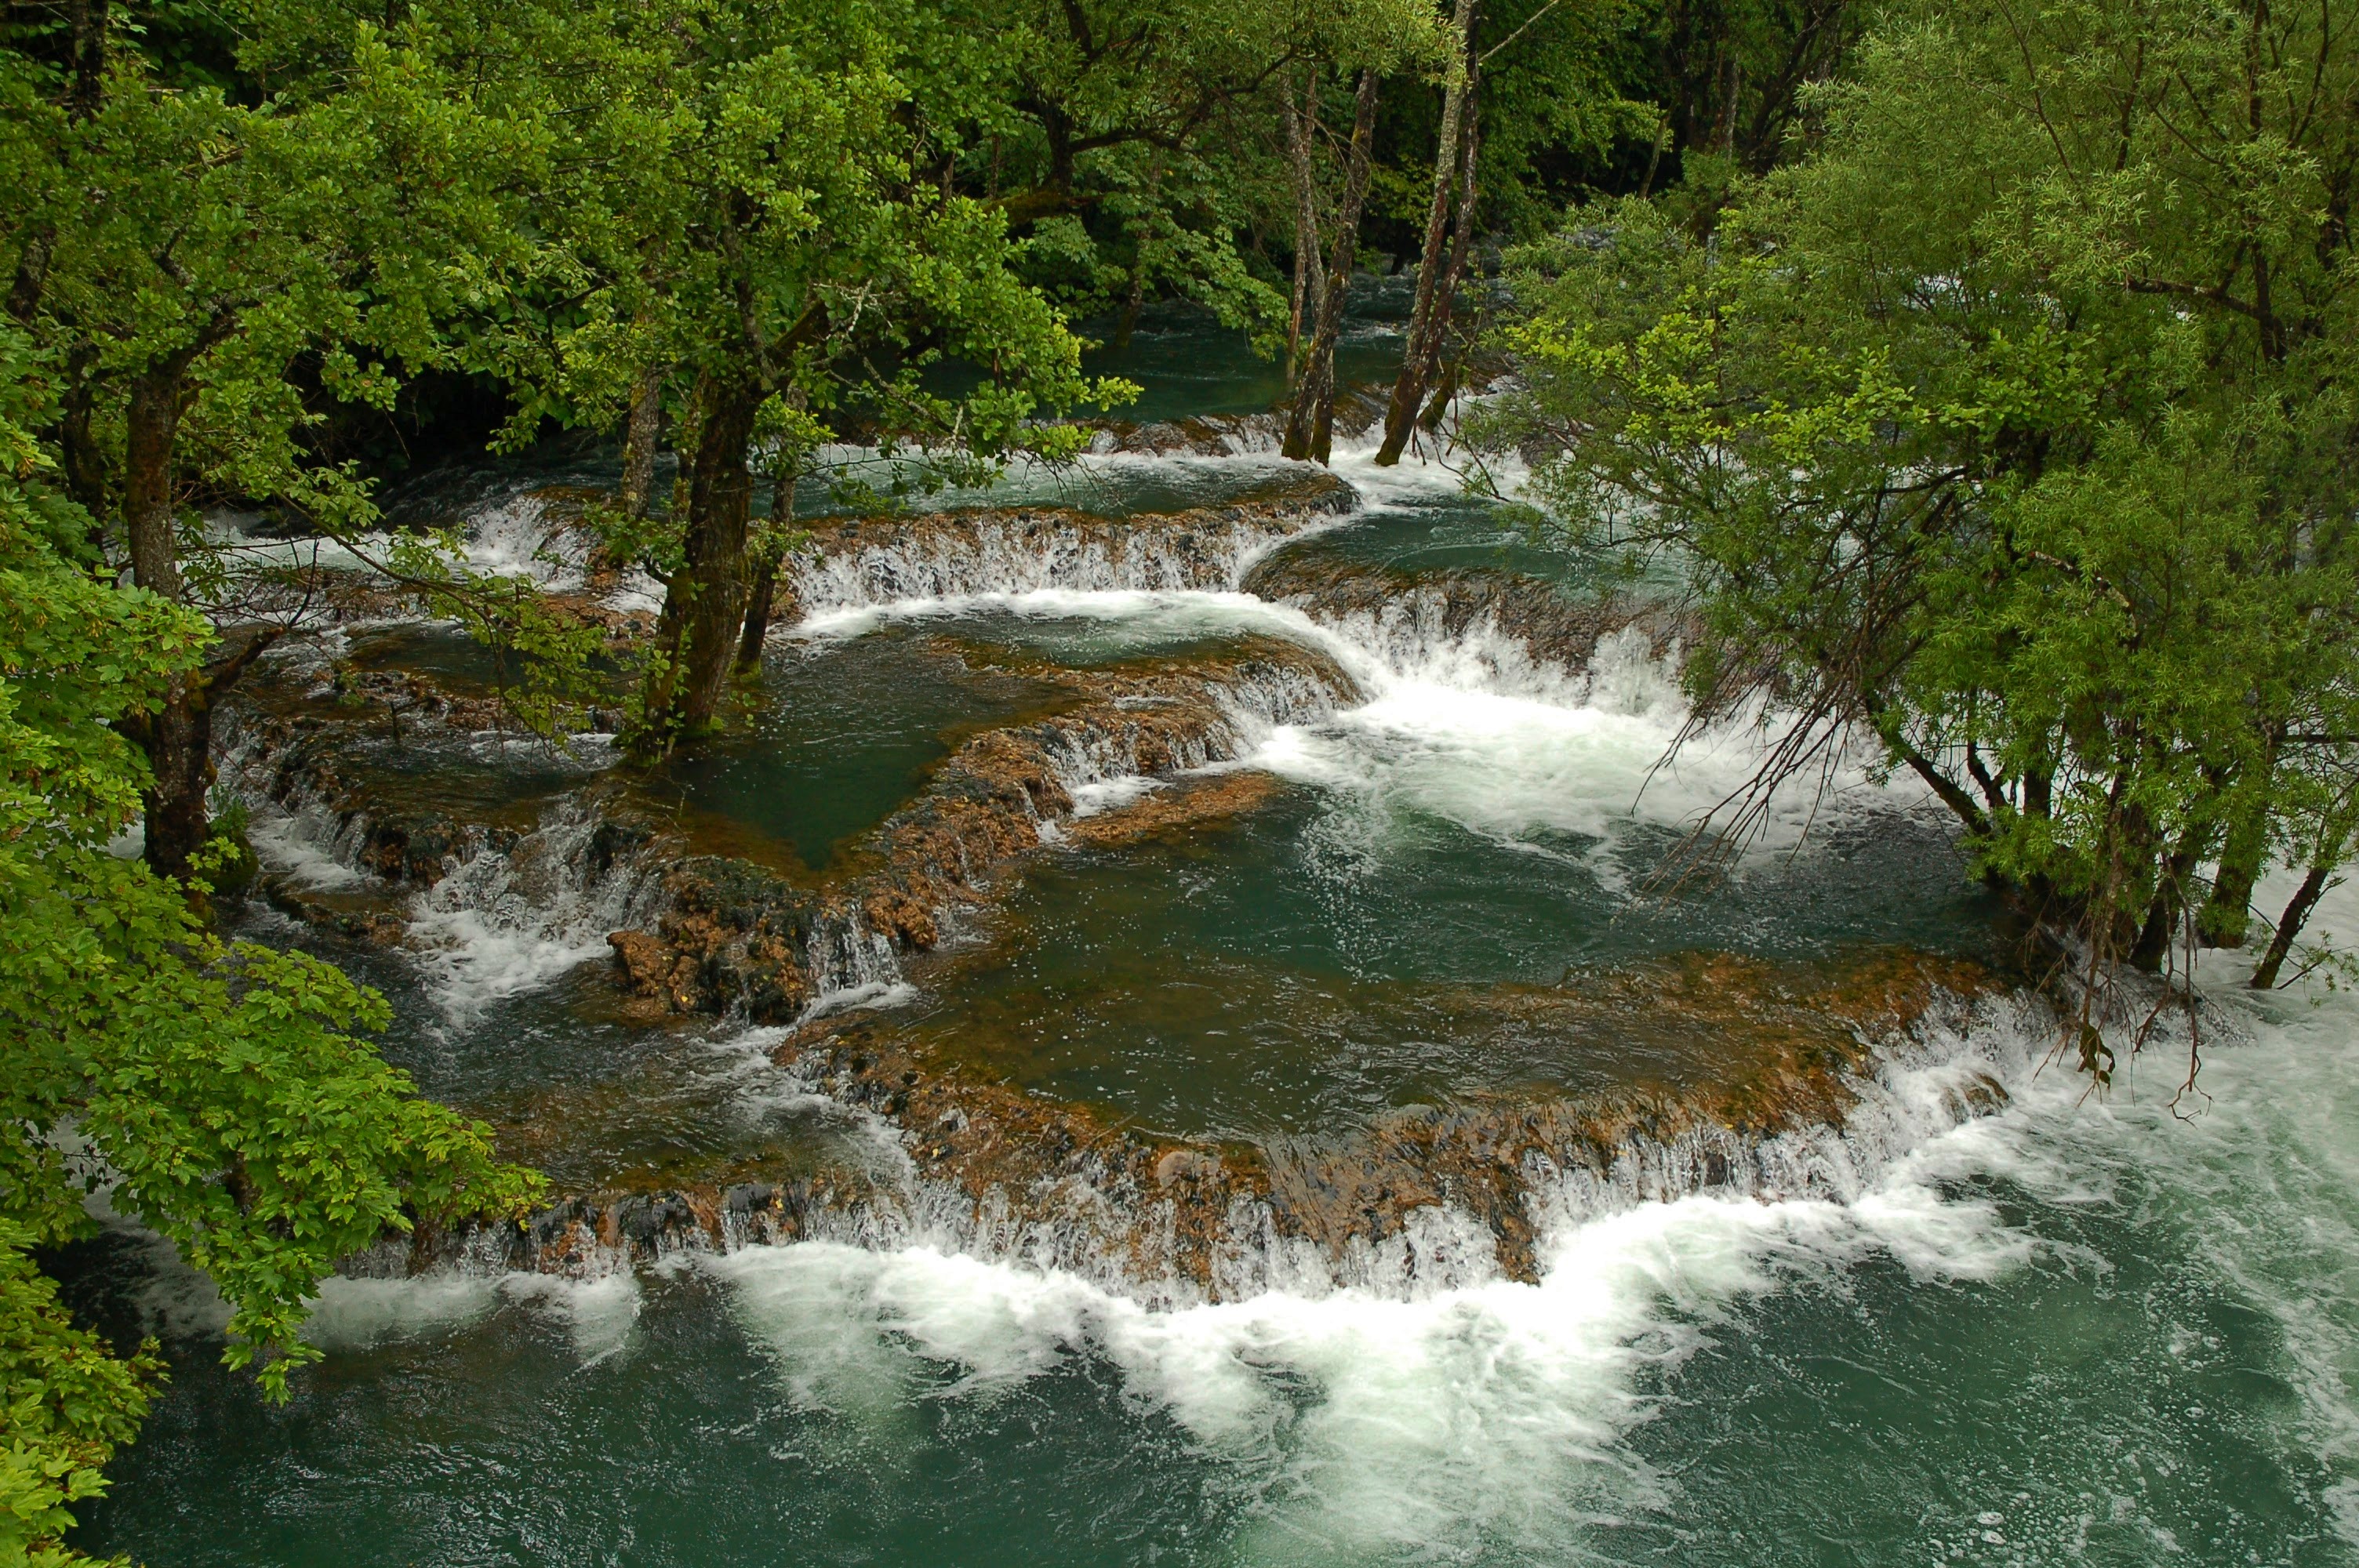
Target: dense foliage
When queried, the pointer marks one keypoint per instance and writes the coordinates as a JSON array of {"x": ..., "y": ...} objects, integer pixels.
[
  {"x": 2014, "y": 427},
  {"x": 215, "y": 1092}
]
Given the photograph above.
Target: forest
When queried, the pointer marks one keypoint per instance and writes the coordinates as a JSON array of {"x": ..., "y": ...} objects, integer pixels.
[{"x": 1980, "y": 376}]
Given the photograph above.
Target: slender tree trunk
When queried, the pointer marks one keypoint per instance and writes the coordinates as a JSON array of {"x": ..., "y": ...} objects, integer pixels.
[
  {"x": 1462, "y": 258},
  {"x": 640, "y": 435},
  {"x": 2039, "y": 785},
  {"x": 1429, "y": 318},
  {"x": 1310, "y": 427},
  {"x": 151, "y": 425},
  {"x": 2290, "y": 924},
  {"x": 1461, "y": 251},
  {"x": 86, "y": 33},
  {"x": 80, "y": 455},
  {"x": 1132, "y": 304},
  {"x": 2162, "y": 915},
  {"x": 1309, "y": 274},
  {"x": 177, "y": 736},
  {"x": 1142, "y": 242},
  {"x": 764, "y": 593},
  {"x": 704, "y": 604},
  {"x": 32, "y": 276},
  {"x": 2227, "y": 913}
]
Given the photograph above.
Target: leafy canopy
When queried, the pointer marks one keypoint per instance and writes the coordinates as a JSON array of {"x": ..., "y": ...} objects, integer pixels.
[{"x": 2012, "y": 426}]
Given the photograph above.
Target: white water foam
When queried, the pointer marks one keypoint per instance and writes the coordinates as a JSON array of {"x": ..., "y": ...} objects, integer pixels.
[
  {"x": 1113, "y": 794},
  {"x": 1495, "y": 1413},
  {"x": 510, "y": 919},
  {"x": 1380, "y": 1424},
  {"x": 1577, "y": 754}
]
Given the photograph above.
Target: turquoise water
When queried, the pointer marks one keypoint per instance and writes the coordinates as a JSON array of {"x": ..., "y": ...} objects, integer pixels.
[
  {"x": 1185, "y": 366},
  {"x": 2054, "y": 1339},
  {"x": 1329, "y": 957},
  {"x": 849, "y": 731}
]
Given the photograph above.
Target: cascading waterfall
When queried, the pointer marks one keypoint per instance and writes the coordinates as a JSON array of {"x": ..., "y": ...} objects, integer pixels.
[
  {"x": 491, "y": 914},
  {"x": 970, "y": 554},
  {"x": 510, "y": 917},
  {"x": 509, "y": 913},
  {"x": 1510, "y": 640},
  {"x": 1959, "y": 1067},
  {"x": 852, "y": 966}
]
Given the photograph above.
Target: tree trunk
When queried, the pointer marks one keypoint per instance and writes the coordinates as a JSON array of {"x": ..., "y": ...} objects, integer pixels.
[
  {"x": 1461, "y": 257},
  {"x": 2290, "y": 924},
  {"x": 1438, "y": 404},
  {"x": 1142, "y": 246},
  {"x": 2162, "y": 915},
  {"x": 759, "y": 599},
  {"x": 2227, "y": 913},
  {"x": 704, "y": 604},
  {"x": 177, "y": 736},
  {"x": 32, "y": 276},
  {"x": 1310, "y": 427},
  {"x": 1132, "y": 303},
  {"x": 178, "y": 739},
  {"x": 1430, "y": 316},
  {"x": 78, "y": 453},
  {"x": 151, "y": 425},
  {"x": 1309, "y": 274},
  {"x": 640, "y": 440},
  {"x": 86, "y": 38}
]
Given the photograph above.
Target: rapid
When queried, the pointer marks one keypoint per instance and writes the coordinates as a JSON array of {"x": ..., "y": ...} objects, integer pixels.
[{"x": 1993, "y": 1316}]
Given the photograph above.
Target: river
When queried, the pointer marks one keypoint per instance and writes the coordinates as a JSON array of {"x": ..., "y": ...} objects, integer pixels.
[{"x": 2108, "y": 1329}]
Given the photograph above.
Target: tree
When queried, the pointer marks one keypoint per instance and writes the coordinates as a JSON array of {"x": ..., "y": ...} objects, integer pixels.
[
  {"x": 2012, "y": 429},
  {"x": 743, "y": 200},
  {"x": 1309, "y": 424},
  {"x": 182, "y": 250},
  {"x": 1436, "y": 281},
  {"x": 1555, "y": 89},
  {"x": 218, "y": 1093}
]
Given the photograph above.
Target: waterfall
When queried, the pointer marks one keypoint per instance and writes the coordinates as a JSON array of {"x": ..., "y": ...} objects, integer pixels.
[
  {"x": 514, "y": 916},
  {"x": 1016, "y": 551},
  {"x": 490, "y": 912},
  {"x": 850, "y": 966},
  {"x": 1093, "y": 1219}
]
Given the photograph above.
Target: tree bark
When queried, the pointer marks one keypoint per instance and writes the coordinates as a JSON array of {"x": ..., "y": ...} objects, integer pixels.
[
  {"x": 178, "y": 739},
  {"x": 703, "y": 615},
  {"x": 1453, "y": 183},
  {"x": 2290, "y": 924},
  {"x": 640, "y": 434},
  {"x": 1132, "y": 303},
  {"x": 177, "y": 736},
  {"x": 79, "y": 454},
  {"x": 1310, "y": 273},
  {"x": 2226, "y": 919},
  {"x": 764, "y": 592},
  {"x": 2163, "y": 914},
  {"x": 1461, "y": 257},
  {"x": 86, "y": 34},
  {"x": 32, "y": 276},
  {"x": 151, "y": 425},
  {"x": 1310, "y": 427}
]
